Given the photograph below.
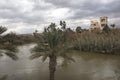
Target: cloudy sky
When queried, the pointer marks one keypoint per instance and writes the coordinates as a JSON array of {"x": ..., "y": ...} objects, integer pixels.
[{"x": 25, "y": 16}]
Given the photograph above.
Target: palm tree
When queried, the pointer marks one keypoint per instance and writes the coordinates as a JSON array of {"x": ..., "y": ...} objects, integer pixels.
[
  {"x": 52, "y": 47},
  {"x": 8, "y": 49}
]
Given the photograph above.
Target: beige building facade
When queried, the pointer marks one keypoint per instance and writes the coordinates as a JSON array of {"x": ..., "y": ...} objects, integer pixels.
[{"x": 95, "y": 24}]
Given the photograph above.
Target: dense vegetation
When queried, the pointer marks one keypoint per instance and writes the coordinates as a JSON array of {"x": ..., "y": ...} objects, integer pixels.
[
  {"x": 13, "y": 38},
  {"x": 10, "y": 41},
  {"x": 8, "y": 49},
  {"x": 100, "y": 42},
  {"x": 55, "y": 42},
  {"x": 105, "y": 41}
]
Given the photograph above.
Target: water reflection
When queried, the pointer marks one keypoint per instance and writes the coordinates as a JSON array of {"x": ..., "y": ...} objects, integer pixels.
[{"x": 106, "y": 68}]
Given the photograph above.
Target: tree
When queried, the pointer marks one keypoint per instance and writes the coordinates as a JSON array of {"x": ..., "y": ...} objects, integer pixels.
[
  {"x": 8, "y": 49},
  {"x": 10, "y": 37},
  {"x": 63, "y": 24},
  {"x": 112, "y": 25},
  {"x": 106, "y": 29},
  {"x": 36, "y": 33},
  {"x": 78, "y": 29},
  {"x": 69, "y": 30},
  {"x": 53, "y": 47}
]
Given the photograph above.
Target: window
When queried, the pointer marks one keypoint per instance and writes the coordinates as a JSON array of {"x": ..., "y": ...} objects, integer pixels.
[
  {"x": 102, "y": 20},
  {"x": 103, "y": 25}
]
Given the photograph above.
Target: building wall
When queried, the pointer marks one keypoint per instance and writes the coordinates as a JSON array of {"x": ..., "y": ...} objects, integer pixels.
[
  {"x": 94, "y": 25},
  {"x": 103, "y": 21},
  {"x": 99, "y": 25}
]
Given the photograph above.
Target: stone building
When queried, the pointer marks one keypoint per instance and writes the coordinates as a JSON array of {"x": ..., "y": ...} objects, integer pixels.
[{"x": 95, "y": 24}]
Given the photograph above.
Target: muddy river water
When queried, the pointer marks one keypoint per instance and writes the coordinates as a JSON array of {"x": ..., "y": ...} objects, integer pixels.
[{"x": 87, "y": 66}]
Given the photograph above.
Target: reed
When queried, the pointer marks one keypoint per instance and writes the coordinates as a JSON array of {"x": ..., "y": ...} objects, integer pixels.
[{"x": 100, "y": 42}]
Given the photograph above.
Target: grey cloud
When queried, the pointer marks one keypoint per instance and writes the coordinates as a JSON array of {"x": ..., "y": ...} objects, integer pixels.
[
  {"x": 36, "y": 12},
  {"x": 41, "y": 5},
  {"x": 87, "y": 8},
  {"x": 14, "y": 14}
]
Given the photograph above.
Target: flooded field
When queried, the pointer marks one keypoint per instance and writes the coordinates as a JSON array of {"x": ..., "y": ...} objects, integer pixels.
[{"x": 87, "y": 66}]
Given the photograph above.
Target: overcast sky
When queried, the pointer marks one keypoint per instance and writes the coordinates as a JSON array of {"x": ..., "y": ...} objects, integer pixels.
[{"x": 25, "y": 16}]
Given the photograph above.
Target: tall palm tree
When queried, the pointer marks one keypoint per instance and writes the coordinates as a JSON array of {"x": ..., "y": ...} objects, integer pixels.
[
  {"x": 52, "y": 47},
  {"x": 8, "y": 49}
]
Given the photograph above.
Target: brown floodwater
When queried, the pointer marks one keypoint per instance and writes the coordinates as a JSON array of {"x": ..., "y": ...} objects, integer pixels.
[{"x": 87, "y": 66}]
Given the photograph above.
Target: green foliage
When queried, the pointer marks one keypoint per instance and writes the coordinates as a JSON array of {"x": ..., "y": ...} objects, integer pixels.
[
  {"x": 53, "y": 46},
  {"x": 63, "y": 24},
  {"x": 13, "y": 38},
  {"x": 78, "y": 29},
  {"x": 10, "y": 37},
  {"x": 2, "y": 29},
  {"x": 112, "y": 25},
  {"x": 54, "y": 43},
  {"x": 10, "y": 50},
  {"x": 6, "y": 47},
  {"x": 106, "y": 29}
]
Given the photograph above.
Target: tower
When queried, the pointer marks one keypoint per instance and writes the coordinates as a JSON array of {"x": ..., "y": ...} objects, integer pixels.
[{"x": 103, "y": 21}]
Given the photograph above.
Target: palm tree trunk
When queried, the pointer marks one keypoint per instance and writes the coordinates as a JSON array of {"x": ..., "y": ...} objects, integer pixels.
[{"x": 52, "y": 66}]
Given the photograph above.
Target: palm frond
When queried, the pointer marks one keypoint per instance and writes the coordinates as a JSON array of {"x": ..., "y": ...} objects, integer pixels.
[
  {"x": 2, "y": 29},
  {"x": 64, "y": 53},
  {"x": 66, "y": 60},
  {"x": 11, "y": 55},
  {"x": 66, "y": 57},
  {"x": 35, "y": 55},
  {"x": 63, "y": 49},
  {"x": 40, "y": 50},
  {"x": 9, "y": 50},
  {"x": 44, "y": 58}
]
